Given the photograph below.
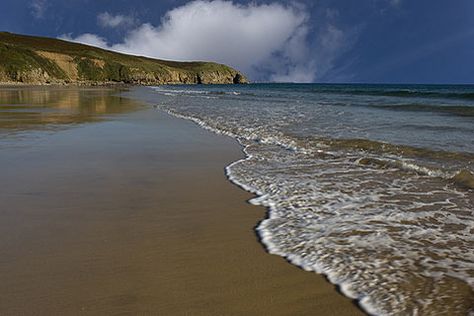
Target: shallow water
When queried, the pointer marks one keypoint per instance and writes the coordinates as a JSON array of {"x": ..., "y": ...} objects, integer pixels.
[
  {"x": 43, "y": 108},
  {"x": 371, "y": 185}
]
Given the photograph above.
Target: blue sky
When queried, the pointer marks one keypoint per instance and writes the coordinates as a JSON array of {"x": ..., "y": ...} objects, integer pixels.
[{"x": 390, "y": 41}]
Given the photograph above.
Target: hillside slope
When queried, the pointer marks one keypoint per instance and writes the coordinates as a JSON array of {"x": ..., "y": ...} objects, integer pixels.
[{"x": 40, "y": 60}]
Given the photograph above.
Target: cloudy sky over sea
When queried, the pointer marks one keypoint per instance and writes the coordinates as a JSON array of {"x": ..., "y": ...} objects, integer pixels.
[{"x": 429, "y": 41}]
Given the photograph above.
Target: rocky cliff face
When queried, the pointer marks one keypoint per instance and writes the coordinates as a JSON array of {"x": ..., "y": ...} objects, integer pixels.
[{"x": 36, "y": 60}]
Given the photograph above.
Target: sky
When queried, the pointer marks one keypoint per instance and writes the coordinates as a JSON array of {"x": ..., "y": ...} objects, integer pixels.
[{"x": 338, "y": 41}]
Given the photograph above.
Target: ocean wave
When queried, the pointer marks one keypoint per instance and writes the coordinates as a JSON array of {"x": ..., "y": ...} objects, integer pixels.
[
  {"x": 402, "y": 93},
  {"x": 176, "y": 91},
  {"x": 460, "y": 110},
  {"x": 390, "y": 224}
]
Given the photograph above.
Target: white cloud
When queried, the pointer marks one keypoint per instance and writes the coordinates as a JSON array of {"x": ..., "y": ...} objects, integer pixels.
[
  {"x": 38, "y": 8},
  {"x": 87, "y": 38},
  {"x": 331, "y": 44},
  {"x": 265, "y": 41},
  {"x": 106, "y": 19}
]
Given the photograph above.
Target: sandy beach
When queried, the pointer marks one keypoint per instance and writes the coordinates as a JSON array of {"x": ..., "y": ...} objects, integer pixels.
[{"x": 112, "y": 207}]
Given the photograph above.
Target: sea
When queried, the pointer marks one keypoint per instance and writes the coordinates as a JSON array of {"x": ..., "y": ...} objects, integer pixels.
[{"x": 370, "y": 185}]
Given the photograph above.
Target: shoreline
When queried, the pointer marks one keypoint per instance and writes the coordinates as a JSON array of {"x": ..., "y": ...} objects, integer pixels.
[
  {"x": 255, "y": 195},
  {"x": 112, "y": 217},
  {"x": 107, "y": 84},
  {"x": 314, "y": 200}
]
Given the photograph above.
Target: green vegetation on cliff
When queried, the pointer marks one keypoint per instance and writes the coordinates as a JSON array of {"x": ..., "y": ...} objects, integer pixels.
[{"x": 40, "y": 60}]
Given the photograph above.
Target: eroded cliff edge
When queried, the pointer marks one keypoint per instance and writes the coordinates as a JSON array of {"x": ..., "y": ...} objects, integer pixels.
[{"x": 40, "y": 60}]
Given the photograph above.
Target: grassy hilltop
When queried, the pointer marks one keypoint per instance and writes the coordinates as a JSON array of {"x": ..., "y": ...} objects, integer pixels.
[{"x": 40, "y": 60}]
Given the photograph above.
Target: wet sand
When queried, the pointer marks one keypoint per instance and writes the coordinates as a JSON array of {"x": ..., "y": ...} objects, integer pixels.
[{"x": 129, "y": 212}]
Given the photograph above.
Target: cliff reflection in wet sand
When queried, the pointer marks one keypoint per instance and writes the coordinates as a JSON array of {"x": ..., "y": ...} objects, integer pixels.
[{"x": 44, "y": 108}]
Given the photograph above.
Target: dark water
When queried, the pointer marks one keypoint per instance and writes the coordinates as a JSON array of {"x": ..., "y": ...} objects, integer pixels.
[{"x": 371, "y": 185}]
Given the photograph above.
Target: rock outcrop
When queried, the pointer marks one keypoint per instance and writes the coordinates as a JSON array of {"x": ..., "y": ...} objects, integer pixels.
[{"x": 39, "y": 60}]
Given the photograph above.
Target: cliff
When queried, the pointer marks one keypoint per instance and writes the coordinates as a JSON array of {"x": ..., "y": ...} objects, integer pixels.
[{"x": 40, "y": 60}]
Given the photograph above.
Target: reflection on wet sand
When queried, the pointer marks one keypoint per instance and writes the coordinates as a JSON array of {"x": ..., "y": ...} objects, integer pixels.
[{"x": 25, "y": 108}]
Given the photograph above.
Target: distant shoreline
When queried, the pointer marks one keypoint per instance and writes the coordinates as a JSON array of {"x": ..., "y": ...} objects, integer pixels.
[{"x": 98, "y": 84}]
